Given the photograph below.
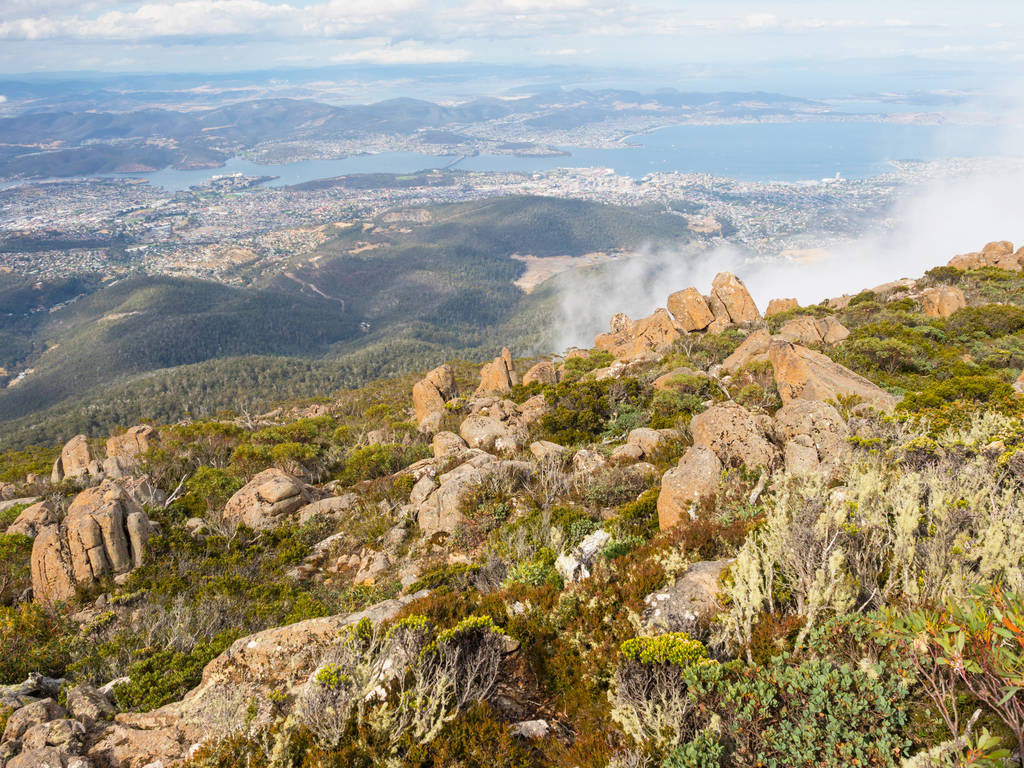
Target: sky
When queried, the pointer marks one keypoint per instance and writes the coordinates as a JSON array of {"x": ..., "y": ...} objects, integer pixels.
[{"x": 710, "y": 38}]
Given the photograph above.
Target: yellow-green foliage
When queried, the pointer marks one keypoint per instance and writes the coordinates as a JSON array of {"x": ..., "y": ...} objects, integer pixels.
[
  {"x": 895, "y": 532},
  {"x": 671, "y": 648}
]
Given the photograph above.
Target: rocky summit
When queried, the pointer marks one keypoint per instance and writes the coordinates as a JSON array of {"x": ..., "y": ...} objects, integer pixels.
[{"x": 720, "y": 537}]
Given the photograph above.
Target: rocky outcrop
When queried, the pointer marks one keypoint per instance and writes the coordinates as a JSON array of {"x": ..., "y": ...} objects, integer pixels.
[
  {"x": 447, "y": 444},
  {"x": 733, "y": 295},
  {"x": 633, "y": 339},
  {"x": 810, "y": 330},
  {"x": 734, "y": 434},
  {"x": 543, "y": 373},
  {"x": 32, "y": 519},
  {"x": 123, "y": 451},
  {"x": 942, "y": 301},
  {"x": 690, "y": 310},
  {"x": 485, "y": 432},
  {"x": 689, "y": 603},
  {"x": 267, "y": 500},
  {"x": 820, "y": 422},
  {"x": 105, "y": 533},
  {"x": 695, "y": 477},
  {"x": 754, "y": 349},
  {"x": 498, "y": 377},
  {"x": 430, "y": 394},
  {"x": 776, "y": 306},
  {"x": 802, "y": 374},
  {"x": 75, "y": 462},
  {"x": 998, "y": 254}
]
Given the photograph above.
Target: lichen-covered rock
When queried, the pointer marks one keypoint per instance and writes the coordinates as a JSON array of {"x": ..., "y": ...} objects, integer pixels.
[
  {"x": 575, "y": 564},
  {"x": 690, "y": 310},
  {"x": 447, "y": 444},
  {"x": 668, "y": 382},
  {"x": 809, "y": 330},
  {"x": 800, "y": 456},
  {"x": 801, "y": 373},
  {"x": 635, "y": 339},
  {"x": 734, "y": 434},
  {"x": 998, "y": 254},
  {"x": 819, "y": 421},
  {"x": 546, "y": 450},
  {"x": 267, "y": 499},
  {"x": 484, "y": 432},
  {"x": 689, "y": 603},
  {"x": 127, "y": 448},
  {"x": 695, "y": 477}
]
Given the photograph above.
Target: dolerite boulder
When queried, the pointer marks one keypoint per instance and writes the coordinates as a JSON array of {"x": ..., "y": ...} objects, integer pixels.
[
  {"x": 430, "y": 394},
  {"x": 75, "y": 461},
  {"x": 267, "y": 500},
  {"x": 499, "y": 376},
  {"x": 542, "y": 373},
  {"x": 1018, "y": 383},
  {"x": 690, "y": 310},
  {"x": 999, "y": 254},
  {"x": 633, "y": 339},
  {"x": 695, "y": 477},
  {"x": 730, "y": 291},
  {"x": 123, "y": 451},
  {"x": 689, "y": 603},
  {"x": 32, "y": 519},
  {"x": 802, "y": 374},
  {"x": 754, "y": 349},
  {"x": 942, "y": 301},
  {"x": 734, "y": 434},
  {"x": 820, "y": 422},
  {"x": 809, "y": 330},
  {"x": 777, "y": 306},
  {"x": 105, "y": 532}
]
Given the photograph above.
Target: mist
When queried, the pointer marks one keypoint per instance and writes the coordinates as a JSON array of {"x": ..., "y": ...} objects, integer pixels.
[{"x": 975, "y": 204}]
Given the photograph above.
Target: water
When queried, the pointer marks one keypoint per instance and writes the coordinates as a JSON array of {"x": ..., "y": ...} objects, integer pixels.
[{"x": 751, "y": 152}]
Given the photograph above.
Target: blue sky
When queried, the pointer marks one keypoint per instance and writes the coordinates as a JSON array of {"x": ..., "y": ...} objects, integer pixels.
[{"x": 234, "y": 35}]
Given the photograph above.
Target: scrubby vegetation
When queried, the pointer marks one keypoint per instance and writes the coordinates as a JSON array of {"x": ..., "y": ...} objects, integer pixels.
[{"x": 869, "y": 613}]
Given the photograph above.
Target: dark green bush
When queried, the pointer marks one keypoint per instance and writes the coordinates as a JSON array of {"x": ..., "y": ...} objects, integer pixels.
[
  {"x": 979, "y": 389},
  {"x": 993, "y": 320}
]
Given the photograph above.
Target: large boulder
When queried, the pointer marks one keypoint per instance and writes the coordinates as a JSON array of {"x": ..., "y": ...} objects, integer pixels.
[
  {"x": 105, "y": 533},
  {"x": 803, "y": 374},
  {"x": 430, "y": 394},
  {"x": 32, "y": 519},
  {"x": 818, "y": 421},
  {"x": 776, "y": 306},
  {"x": 447, "y": 444},
  {"x": 695, "y": 477},
  {"x": 809, "y": 330},
  {"x": 485, "y": 432},
  {"x": 75, "y": 461},
  {"x": 690, "y": 310},
  {"x": 267, "y": 500},
  {"x": 132, "y": 444},
  {"x": 689, "y": 603},
  {"x": 942, "y": 301},
  {"x": 734, "y": 296},
  {"x": 498, "y": 376},
  {"x": 543, "y": 373},
  {"x": 996, "y": 254},
  {"x": 635, "y": 339},
  {"x": 734, "y": 434},
  {"x": 754, "y": 349}
]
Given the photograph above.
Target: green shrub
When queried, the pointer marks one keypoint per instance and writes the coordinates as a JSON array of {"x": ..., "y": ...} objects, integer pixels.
[
  {"x": 989, "y": 319},
  {"x": 637, "y": 518},
  {"x": 979, "y": 389},
  {"x": 165, "y": 675},
  {"x": 676, "y": 648},
  {"x": 581, "y": 410},
  {"x": 33, "y": 639},
  {"x": 950, "y": 275},
  {"x": 15, "y": 557},
  {"x": 373, "y": 461}
]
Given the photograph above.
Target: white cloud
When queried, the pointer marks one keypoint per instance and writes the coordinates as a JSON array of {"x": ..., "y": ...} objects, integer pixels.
[{"x": 403, "y": 53}]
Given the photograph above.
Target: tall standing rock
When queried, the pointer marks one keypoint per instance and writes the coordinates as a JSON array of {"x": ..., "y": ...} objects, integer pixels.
[
  {"x": 498, "y": 377},
  {"x": 734, "y": 296},
  {"x": 430, "y": 394},
  {"x": 801, "y": 373}
]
